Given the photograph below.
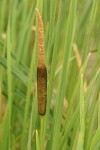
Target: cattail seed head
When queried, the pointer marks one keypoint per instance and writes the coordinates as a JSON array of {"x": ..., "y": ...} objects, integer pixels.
[
  {"x": 42, "y": 89},
  {"x": 41, "y": 69},
  {"x": 40, "y": 38}
]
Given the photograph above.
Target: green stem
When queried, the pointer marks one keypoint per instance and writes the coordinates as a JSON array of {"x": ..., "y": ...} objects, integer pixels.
[{"x": 41, "y": 132}]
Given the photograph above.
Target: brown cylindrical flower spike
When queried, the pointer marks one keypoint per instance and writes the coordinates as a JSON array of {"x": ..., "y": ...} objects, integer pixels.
[{"x": 41, "y": 69}]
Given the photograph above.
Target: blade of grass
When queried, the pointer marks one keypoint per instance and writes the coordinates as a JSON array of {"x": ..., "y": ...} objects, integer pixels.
[
  {"x": 32, "y": 68},
  {"x": 7, "y": 121},
  {"x": 28, "y": 35},
  {"x": 89, "y": 90},
  {"x": 92, "y": 115},
  {"x": 91, "y": 25},
  {"x": 51, "y": 27},
  {"x": 95, "y": 140},
  {"x": 90, "y": 133},
  {"x": 32, "y": 121},
  {"x": 37, "y": 141},
  {"x": 15, "y": 71},
  {"x": 75, "y": 92},
  {"x": 2, "y": 15},
  {"x": 22, "y": 38},
  {"x": 62, "y": 83},
  {"x": 80, "y": 144},
  {"x": 1, "y": 84},
  {"x": 69, "y": 127},
  {"x": 99, "y": 111},
  {"x": 9, "y": 76},
  {"x": 5, "y": 131}
]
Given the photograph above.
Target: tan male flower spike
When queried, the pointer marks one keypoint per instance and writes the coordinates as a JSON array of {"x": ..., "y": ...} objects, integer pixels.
[{"x": 41, "y": 69}]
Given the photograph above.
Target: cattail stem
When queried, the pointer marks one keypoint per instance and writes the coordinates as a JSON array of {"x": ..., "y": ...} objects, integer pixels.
[{"x": 41, "y": 132}]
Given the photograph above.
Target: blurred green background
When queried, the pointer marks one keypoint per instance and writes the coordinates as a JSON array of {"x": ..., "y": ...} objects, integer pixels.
[{"x": 19, "y": 118}]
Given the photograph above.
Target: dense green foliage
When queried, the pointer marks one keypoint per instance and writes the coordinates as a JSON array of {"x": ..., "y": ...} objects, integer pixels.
[{"x": 72, "y": 57}]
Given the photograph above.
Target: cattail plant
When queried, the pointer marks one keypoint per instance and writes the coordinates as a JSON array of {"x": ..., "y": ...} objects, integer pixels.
[
  {"x": 41, "y": 69},
  {"x": 71, "y": 118}
]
